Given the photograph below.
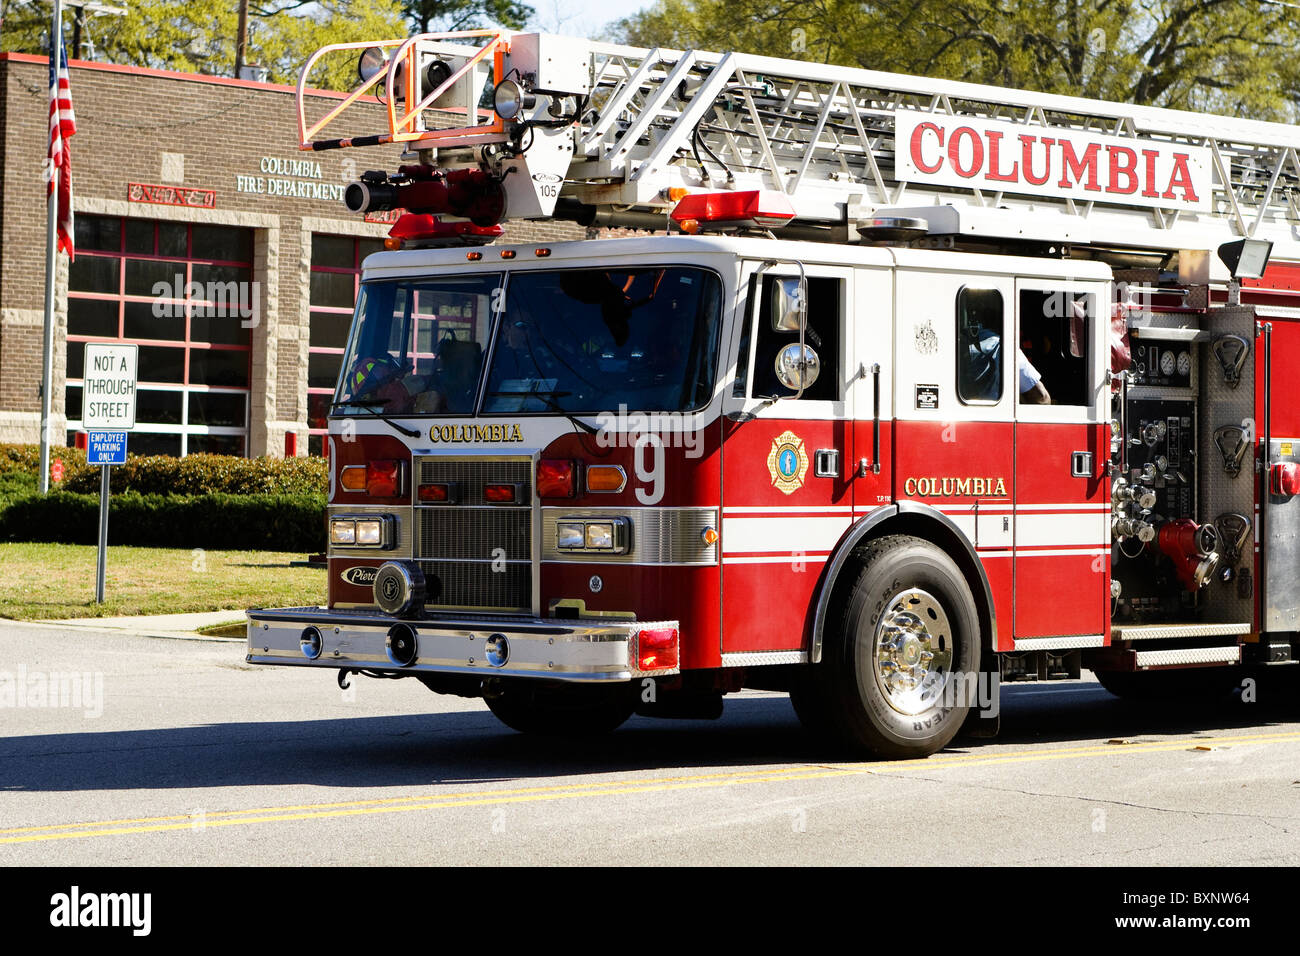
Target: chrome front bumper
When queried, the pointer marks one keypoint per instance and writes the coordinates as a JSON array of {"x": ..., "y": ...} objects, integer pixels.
[{"x": 572, "y": 650}]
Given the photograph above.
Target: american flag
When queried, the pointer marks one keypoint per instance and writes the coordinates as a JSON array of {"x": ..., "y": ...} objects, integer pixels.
[{"x": 62, "y": 126}]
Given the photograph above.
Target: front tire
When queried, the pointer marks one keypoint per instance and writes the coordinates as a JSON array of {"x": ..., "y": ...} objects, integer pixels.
[
  {"x": 563, "y": 711},
  {"x": 896, "y": 657}
]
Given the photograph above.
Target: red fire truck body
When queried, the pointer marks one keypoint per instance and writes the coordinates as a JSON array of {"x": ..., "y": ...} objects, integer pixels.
[{"x": 869, "y": 452}]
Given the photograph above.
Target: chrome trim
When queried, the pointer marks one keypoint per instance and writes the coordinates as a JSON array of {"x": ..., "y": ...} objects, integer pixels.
[
  {"x": 545, "y": 648},
  {"x": 1153, "y": 632},
  {"x": 658, "y": 535},
  {"x": 1058, "y": 643},
  {"x": 1189, "y": 655},
  {"x": 761, "y": 658}
]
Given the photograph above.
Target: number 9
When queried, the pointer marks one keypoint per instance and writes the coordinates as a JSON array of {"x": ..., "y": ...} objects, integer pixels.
[{"x": 654, "y": 474}]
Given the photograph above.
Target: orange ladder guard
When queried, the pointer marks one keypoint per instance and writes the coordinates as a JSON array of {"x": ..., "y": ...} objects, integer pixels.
[{"x": 404, "y": 128}]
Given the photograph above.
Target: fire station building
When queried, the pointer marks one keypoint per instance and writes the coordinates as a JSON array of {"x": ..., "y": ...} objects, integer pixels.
[{"x": 205, "y": 237}]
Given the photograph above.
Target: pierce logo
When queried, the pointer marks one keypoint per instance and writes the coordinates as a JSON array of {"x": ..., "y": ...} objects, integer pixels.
[
  {"x": 360, "y": 576},
  {"x": 547, "y": 178}
]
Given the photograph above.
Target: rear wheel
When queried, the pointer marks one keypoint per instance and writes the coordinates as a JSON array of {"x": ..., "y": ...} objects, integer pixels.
[
  {"x": 563, "y": 711},
  {"x": 900, "y": 659}
]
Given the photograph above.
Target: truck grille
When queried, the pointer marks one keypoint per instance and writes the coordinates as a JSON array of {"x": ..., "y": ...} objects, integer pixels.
[{"x": 474, "y": 554}]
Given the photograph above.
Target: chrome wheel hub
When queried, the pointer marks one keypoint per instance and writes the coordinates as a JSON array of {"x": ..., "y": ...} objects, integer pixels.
[{"x": 912, "y": 651}]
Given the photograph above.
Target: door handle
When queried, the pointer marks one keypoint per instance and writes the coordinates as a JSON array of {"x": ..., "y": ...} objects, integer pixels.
[
  {"x": 826, "y": 463},
  {"x": 1081, "y": 464}
]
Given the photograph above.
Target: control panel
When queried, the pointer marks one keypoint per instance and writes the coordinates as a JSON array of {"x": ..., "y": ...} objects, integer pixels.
[{"x": 1162, "y": 364}]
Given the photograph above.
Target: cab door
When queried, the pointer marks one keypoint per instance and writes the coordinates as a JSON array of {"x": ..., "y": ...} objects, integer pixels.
[
  {"x": 1062, "y": 501},
  {"x": 787, "y": 494},
  {"x": 954, "y": 423}
]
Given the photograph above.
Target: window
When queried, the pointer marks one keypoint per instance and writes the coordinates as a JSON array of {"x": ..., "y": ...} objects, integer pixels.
[
  {"x": 980, "y": 327},
  {"x": 184, "y": 294},
  {"x": 1054, "y": 337},
  {"x": 335, "y": 274},
  {"x": 822, "y": 334}
]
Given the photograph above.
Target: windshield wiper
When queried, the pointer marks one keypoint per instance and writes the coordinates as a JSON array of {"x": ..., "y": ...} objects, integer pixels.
[
  {"x": 549, "y": 400},
  {"x": 376, "y": 403}
]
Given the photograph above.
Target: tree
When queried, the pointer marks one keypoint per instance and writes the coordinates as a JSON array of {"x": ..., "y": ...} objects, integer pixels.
[
  {"x": 1223, "y": 56},
  {"x": 198, "y": 36},
  {"x": 431, "y": 16}
]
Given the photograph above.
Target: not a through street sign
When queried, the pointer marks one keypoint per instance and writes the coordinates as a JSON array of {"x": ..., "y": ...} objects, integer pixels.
[{"x": 108, "y": 395}]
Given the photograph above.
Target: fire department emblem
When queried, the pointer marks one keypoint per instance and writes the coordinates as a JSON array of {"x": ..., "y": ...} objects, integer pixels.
[{"x": 787, "y": 462}]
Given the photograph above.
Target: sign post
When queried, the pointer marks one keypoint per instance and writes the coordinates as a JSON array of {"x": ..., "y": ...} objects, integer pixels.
[{"x": 108, "y": 412}]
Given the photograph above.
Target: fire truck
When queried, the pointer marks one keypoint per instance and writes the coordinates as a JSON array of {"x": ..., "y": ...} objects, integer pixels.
[{"x": 885, "y": 387}]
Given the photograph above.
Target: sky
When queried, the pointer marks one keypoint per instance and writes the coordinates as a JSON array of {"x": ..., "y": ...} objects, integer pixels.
[{"x": 581, "y": 17}]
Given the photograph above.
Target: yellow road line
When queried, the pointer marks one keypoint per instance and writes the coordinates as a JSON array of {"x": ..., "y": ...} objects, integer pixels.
[{"x": 318, "y": 811}]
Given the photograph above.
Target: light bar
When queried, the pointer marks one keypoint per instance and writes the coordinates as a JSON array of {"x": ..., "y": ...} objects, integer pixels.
[
  {"x": 431, "y": 231},
  {"x": 758, "y": 208}
]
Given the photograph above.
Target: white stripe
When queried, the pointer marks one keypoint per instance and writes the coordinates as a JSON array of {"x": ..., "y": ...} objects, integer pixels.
[
  {"x": 787, "y": 509},
  {"x": 1066, "y": 529},
  {"x": 1068, "y": 506},
  {"x": 1061, "y": 552},
  {"x": 747, "y": 535},
  {"x": 971, "y": 509},
  {"x": 779, "y": 559}
]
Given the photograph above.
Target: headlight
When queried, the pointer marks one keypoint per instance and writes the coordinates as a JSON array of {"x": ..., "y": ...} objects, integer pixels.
[
  {"x": 600, "y": 534},
  {"x": 569, "y": 535},
  {"x": 343, "y": 531},
  {"x": 364, "y": 531},
  {"x": 606, "y": 534},
  {"x": 372, "y": 60},
  {"x": 509, "y": 100}
]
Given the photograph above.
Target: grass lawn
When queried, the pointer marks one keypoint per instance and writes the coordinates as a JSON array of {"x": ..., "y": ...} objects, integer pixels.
[{"x": 58, "y": 581}]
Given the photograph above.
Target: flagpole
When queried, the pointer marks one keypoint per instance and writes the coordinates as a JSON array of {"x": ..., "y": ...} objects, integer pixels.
[{"x": 51, "y": 262}]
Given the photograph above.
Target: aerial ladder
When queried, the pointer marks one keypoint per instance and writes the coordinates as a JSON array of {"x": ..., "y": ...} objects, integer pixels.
[{"x": 499, "y": 125}]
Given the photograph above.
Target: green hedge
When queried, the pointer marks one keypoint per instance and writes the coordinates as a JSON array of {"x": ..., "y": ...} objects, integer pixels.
[
  {"x": 165, "y": 475},
  {"x": 208, "y": 474},
  {"x": 15, "y": 484},
  {"x": 271, "y": 522},
  {"x": 26, "y": 460}
]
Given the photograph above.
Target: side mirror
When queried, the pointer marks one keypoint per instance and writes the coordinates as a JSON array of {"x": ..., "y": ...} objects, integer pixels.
[
  {"x": 797, "y": 367},
  {"x": 788, "y": 299}
]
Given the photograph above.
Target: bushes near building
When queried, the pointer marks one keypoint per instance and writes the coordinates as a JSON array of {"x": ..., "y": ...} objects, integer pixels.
[{"x": 201, "y": 501}]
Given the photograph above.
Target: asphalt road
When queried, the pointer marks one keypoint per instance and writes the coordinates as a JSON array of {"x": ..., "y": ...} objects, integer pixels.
[{"x": 188, "y": 756}]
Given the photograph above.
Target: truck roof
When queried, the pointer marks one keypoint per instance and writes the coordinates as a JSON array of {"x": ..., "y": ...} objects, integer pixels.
[{"x": 679, "y": 248}]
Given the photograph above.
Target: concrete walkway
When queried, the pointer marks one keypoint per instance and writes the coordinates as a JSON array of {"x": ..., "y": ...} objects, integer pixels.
[{"x": 184, "y": 626}]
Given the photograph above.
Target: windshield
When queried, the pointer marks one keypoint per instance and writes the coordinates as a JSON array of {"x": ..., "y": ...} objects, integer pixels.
[
  {"x": 418, "y": 346},
  {"x": 578, "y": 341}
]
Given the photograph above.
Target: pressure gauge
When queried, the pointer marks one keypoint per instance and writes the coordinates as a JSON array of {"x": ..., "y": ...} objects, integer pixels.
[
  {"x": 1184, "y": 363},
  {"x": 1167, "y": 363}
]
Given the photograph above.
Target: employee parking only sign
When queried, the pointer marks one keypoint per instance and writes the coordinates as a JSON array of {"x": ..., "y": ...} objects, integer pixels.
[
  {"x": 106, "y": 448},
  {"x": 108, "y": 390}
]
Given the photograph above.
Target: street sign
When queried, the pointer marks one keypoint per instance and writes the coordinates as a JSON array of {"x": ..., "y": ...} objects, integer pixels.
[
  {"x": 108, "y": 390},
  {"x": 106, "y": 448}
]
